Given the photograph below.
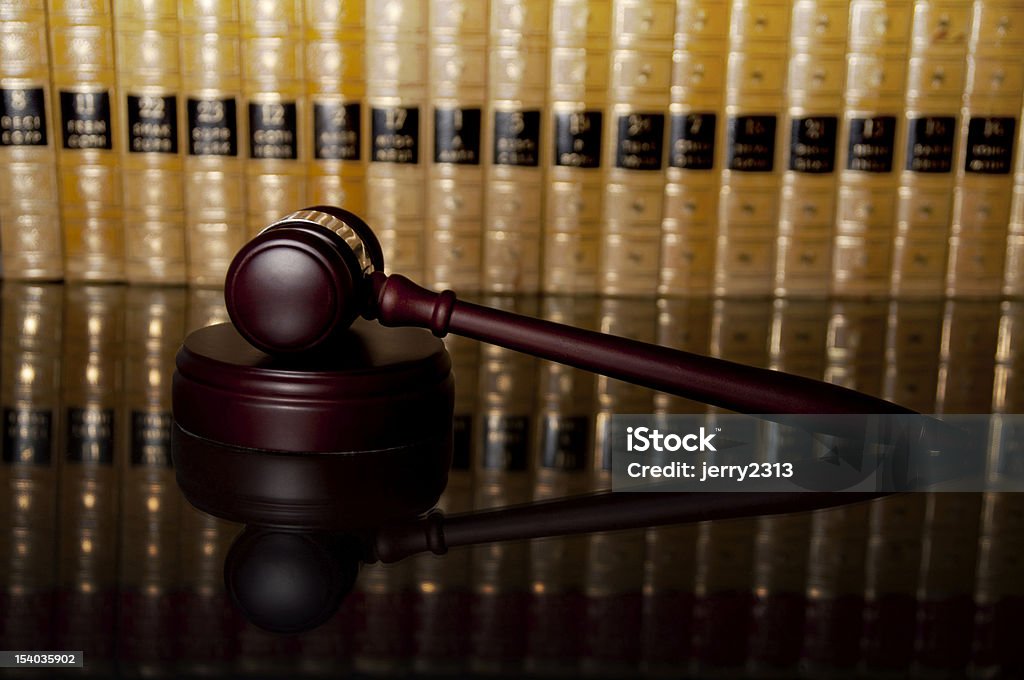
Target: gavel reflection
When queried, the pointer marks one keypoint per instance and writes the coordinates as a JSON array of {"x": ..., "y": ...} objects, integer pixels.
[{"x": 330, "y": 436}]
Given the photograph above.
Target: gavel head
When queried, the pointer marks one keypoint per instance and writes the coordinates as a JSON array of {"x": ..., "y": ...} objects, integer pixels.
[{"x": 300, "y": 283}]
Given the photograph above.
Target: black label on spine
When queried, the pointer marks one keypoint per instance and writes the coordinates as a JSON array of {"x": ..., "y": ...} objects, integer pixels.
[
  {"x": 28, "y": 436},
  {"x": 517, "y": 138},
  {"x": 930, "y": 144},
  {"x": 462, "y": 441},
  {"x": 151, "y": 438},
  {"x": 812, "y": 144},
  {"x": 639, "y": 142},
  {"x": 751, "y": 143},
  {"x": 212, "y": 127},
  {"x": 273, "y": 130},
  {"x": 506, "y": 442},
  {"x": 336, "y": 129},
  {"x": 396, "y": 135},
  {"x": 152, "y": 124},
  {"x": 692, "y": 145},
  {"x": 91, "y": 435},
  {"x": 457, "y": 136},
  {"x": 872, "y": 144},
  {"x": 565, "y": 443},
  {"x": 22, "y": 117},
  {"x": 578, "y": 139},
  {"x": 85, "y": 120},
  {"x": 990, "y": 145}
]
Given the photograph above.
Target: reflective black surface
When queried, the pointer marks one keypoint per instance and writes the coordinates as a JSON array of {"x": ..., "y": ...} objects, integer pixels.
[{"x": 99, "y": 552}]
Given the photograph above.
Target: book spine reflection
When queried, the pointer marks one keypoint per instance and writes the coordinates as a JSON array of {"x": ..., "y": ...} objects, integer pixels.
[
  {"x": 396, "y": 90},
  {"x": 500, "y": 577},
  {"x": 211, "y": 66},
  {"x": 29, "y": 199},
  {"x": 696, "y": 132},
  {"x": 562, "y": 457},
  {"x": 276, "y": 110},
  {"x": 30, "y": 365},
  {"x": 204, "y": 307},
  {"x": 149, "y": 523},
  {"x": 571, "y": 138},
  {"x": 748, "y": 208},
  {"x": 84, "y": 83},
  {"x": 513, "y": 171},
  {"x": 814, "y": 102},
  {"x": 88, "y": 470},
  {"x": 151, "y": 106}
]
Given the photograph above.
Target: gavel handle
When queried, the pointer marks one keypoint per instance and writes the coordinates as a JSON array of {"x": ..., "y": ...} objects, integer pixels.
[
  {"x": 604, "y": 511},
  {"x": 397, "y": 301}
]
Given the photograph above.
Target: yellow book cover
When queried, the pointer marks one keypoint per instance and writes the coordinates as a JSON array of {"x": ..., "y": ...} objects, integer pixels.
[
  {"x": 82, "y": 73},
  {"x": 149, "y": 98},
  {"x": 31, "y": 246}
]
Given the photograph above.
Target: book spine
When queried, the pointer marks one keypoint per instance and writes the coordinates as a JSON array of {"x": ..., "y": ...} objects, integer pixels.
[
  {"x": 29, "y": 199},
  {"x": 150, "y": 105},
  {"x": 513, "y": 171},
  {"x": 639, "y": 82},
  {"x": 614, "y": 575},
  {"x": 88, "y": 472},
  {"x": 1013, "y": 276},
  {"x": 748, "y": 209},
  {"x": 571, "y": 138},
  {"x": 29, "y": 353},
  {"x": 500, "y": 571},
  {"x": 935, "y": 83},
  {"x": 149, "y": 512},
  {"x": 214, "y": 166},
  {"x": 696, "y": 132},
  {"x": 984, "y": 172},
  {"x": 396, "y": 83},
  {"x": 813, "y": 107},
  {"x": 274, "y": 91},
  {"x": 457, "y": 93},
  {"x": 85, "y": 86},
  {"x": 562, "y": 458},
  {"x": 336, "y": 90},
  {"x": 869, "y": 158}
]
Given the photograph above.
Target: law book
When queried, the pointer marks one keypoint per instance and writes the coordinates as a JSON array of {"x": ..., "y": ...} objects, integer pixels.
[
  {"x": 988, "y": 131},
  {"x": 635, "y": 136},
  {"x": 396, "y": 91},
  {"x": 88, "y": 471},
  {"x": 869, "y": 156},
  {"x": 215, "y": 129},
  {"x": 336, "y": 91},
  {"x": 276, "y": 110},
  {"x": 810, "y": 128},
  {"x": 517, "y": 76},
  {"x": 562, "y": 458},
  {"x": 796, "y": 345},
  {"x": 572, "y": 133},
  {"x": 748, "y": 209},
  {"x": 501, "y": 476},
  {"x": 149, "y": 524},
  {"x": 31, "y": 246},
  {"x": 82, "y": 73},
  {"x": 1013, "y": 275},
  {"x": 936, "y": 73},
  {"x": 696, "y": 132},
  {"x": 670, "y": 552},
  {"x": 614, "y": 575},
  {"x": 151, "y": 108},
  {"x": 457, "y": 93},
  {"x": 30, "y": 341}
]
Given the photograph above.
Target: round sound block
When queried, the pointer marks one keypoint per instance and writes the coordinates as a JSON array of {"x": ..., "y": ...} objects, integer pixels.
[{"x": 348, "y": 439}]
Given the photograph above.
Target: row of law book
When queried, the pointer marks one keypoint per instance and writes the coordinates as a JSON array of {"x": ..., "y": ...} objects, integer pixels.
[
  {"x": 101, "y": 553},
  {"x": 624, "y": 147}
]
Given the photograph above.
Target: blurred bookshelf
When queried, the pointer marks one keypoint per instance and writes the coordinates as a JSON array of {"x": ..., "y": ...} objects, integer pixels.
[{"x": 800, "y": 148}]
